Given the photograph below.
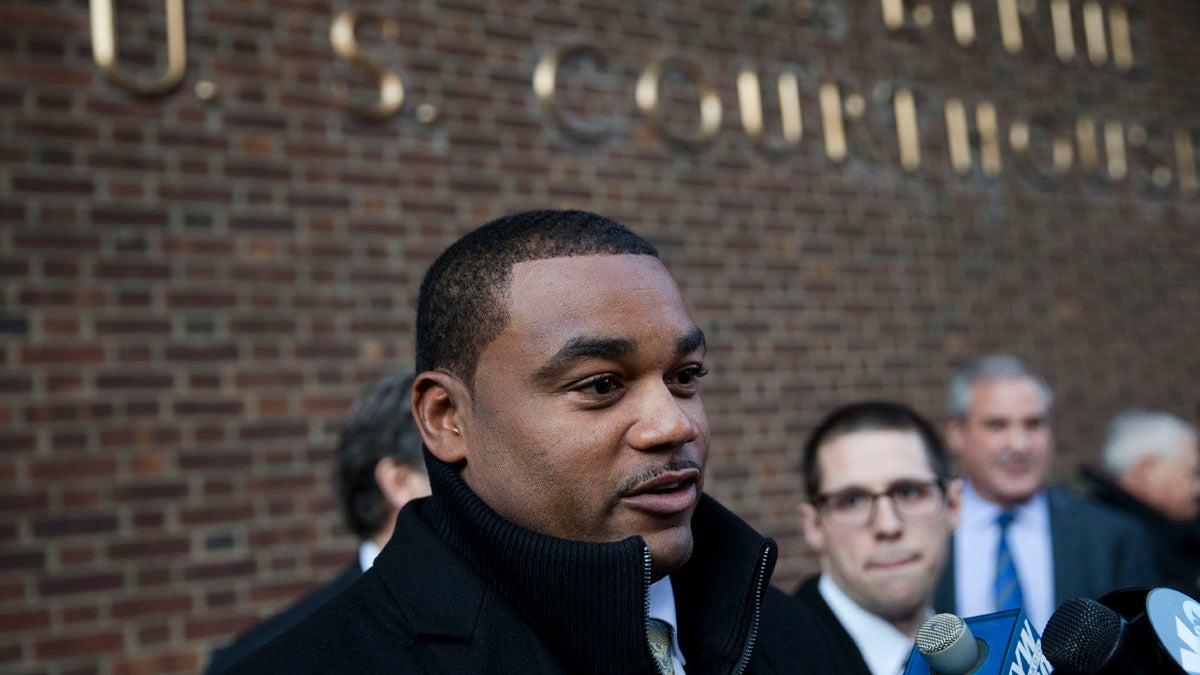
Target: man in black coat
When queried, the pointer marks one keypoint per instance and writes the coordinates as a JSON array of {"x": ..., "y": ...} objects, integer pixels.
[
  {"x": 380, "y": 468},
  {"x": 558, "y": 397},
  {"x": 1151, "y": 472}
]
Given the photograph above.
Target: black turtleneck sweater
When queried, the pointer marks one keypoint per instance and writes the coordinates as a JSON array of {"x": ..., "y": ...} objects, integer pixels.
[{"x": 459, "y": 589}]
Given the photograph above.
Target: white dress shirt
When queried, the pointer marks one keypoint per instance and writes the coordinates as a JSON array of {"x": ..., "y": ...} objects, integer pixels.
[
  {"x": 975, "y": 543},
  {"x": 366, "y": 554},
  {"x": 662, "y": 607},
  {"x": 884, "y": 648}
]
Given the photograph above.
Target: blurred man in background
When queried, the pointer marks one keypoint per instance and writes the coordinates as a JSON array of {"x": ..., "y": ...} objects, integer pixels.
[
  {"x": 1151, "y": 472},
  {"x": 380, "y": 468},
  {"x": 880, "y": 510},
  {"x": 1021, "y": 543}
]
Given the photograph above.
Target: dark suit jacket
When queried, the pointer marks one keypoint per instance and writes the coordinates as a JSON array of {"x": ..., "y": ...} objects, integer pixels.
[
  {"x": 266, "y": 631},
  {"x": 810, "y": 634},
  {"x": 1095, "y": 549}
]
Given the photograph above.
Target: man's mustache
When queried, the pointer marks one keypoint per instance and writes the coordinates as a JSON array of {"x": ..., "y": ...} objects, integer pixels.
[{"x": 654, "y": 472}]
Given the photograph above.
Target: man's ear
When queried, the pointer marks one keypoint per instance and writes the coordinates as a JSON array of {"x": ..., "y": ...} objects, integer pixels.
[
  {"x": 400, "y": 482},
  {"x": 441, "y": 407},
  {"x": 954, "y": 436},
  {"x": 814, "y": 535},
  {"x": 954, "y": 488}
]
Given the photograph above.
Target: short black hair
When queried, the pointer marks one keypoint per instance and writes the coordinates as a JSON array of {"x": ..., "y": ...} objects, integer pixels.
[
  {"x": 871, "y": 416},
  {"x": 461, "y": 307},
  {"x": 380, "y": 426}
]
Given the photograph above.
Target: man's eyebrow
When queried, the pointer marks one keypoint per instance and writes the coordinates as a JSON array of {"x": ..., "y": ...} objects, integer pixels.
[
  {"x": 690, "y": 342},
  {"x": 585, "y": 347}
]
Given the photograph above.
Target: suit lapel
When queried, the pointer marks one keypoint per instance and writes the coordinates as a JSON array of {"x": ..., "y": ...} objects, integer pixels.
[{"x": 1065, "y": 544}]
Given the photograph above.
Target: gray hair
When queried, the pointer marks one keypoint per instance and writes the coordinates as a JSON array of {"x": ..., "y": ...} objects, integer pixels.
[
  {"x": 989, "y": 369},
  {"x": 1135, "y": 434}
]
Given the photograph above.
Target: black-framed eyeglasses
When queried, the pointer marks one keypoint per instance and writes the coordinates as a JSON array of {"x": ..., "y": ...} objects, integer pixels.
[{"x": 913, "y": 500}]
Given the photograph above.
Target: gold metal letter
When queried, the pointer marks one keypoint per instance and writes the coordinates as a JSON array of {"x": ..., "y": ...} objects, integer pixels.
[
  {"x": 989, "y": 138},
  {"x": 907, "y": 133},
  {"x": 646, "y": 94},
  {"x": 893, "y": 14},
  {"x": 1010, "y": 25},
  {"x": 104, "y": 48},
  {"x": 964, "y": 23},
  {"x": 956, "y": 135},
  {"x": 391, "y": 89},
  {"x": 1118, "y": 25},
  {"x": 1114, "y": 144},
  {"x": 1185, "y": 159},
  {"x": 1064, "y": 34},
  {"x": 1085, "y": 138},
  {"x": 750, "y": 105},
  {"x": 545, "y": 82},
  {"x": 831, "y": 122},
  {"x": 1093, "y": 32}
]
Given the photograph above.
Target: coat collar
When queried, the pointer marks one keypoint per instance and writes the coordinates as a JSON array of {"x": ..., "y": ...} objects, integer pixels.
[{"x": 586, "y": 601}]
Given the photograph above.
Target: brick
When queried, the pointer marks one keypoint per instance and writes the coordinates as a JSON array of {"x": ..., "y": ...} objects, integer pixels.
[
  {"x": 92, "y": 644},
  {"x": 16, "y": 442},
  {"x": 23, "y": 500},
  {"x": 58, "y": 186},
  {"x": 150, "y": 491},
  {"x": 128, "y": 269},
  {"x": 23, "y": 620},
  {"x": 158, "y": 664},
  {"x": 62, "y": 354},
  {"x": 54, "y": 586},
  {"x": 273, "y": 431},
  {"x": 73, "y": 469},
  {"x": 220, "y": 570},
  {"x": 215, "y": 515},
  {"x": 22, "y": 560},
  {"x": 135, "y": 381},
  {"x": 61, "y": 526},
  {"x": 150, "y": 547},
  {"x": 218, "y": 352},
  {"x": 172, "y": 604}
]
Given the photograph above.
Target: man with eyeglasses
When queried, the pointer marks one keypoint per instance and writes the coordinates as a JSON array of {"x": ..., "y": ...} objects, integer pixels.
[{"x": 880, "y": 510}]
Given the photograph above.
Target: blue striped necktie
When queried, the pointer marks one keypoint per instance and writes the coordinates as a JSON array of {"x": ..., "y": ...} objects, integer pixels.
[{"x": 1007, "y": 589}]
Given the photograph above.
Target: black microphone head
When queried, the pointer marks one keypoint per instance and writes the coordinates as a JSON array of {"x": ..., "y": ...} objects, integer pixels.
[{"x": 1081, "y": 636}]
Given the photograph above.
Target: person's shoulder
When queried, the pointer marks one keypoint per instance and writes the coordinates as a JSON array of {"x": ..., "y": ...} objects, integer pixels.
[
  {"x": 280, "y": 623},
  {"x": 1086, "y": 510}
]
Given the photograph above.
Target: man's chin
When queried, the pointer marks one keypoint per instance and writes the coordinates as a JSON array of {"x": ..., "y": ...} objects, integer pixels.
[{"x": 669, "y": 550}]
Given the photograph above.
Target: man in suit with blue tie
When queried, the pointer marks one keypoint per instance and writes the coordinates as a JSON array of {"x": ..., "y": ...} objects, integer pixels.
[{"x": 1021, "y": 543}]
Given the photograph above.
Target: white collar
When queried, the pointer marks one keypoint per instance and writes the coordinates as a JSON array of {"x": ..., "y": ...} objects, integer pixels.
[
  {"x": 367, "y": 551},
  {"x": 978, "y": 513},
  {"x": 883, "y": 647},
  {"x": 662, "y": 607}
]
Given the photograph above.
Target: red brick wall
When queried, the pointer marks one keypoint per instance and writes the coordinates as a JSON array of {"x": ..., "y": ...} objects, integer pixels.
[{"x": 195, "y": 290}]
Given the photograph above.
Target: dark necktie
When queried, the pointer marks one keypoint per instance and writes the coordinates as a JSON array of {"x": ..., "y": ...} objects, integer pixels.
[{"x": 1007, "y": 588}]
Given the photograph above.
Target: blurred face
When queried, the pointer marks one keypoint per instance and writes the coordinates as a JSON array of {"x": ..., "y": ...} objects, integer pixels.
[
  {"x": 888, "y": 566},
  {"x": 1004, "y": 443},
  {"x": 1171, "y": 483},
  {"x": 586, "y": 421}
]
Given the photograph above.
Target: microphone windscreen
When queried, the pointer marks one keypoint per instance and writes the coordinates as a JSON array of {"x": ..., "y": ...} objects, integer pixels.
[
  {"x": 947, "y": 644},
  {"x": 1081, "y": 636}
]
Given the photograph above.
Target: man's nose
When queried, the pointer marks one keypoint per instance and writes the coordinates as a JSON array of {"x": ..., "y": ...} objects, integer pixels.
[
  {"x": 663, "y": 420},
  {"x": 887, "y": 520}
]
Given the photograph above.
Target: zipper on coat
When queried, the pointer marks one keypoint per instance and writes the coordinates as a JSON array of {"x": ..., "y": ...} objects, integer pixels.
[{"x": 759, "y": 586}]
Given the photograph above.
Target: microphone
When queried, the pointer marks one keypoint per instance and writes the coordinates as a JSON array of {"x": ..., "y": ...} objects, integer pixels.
[
  {"x": 1129, "y": 631},
  {"x": 1003, "y": 643}
]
